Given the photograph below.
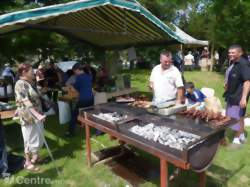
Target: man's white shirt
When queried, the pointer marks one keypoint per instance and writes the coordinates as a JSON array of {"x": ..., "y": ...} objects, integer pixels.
[
  {"x": 165, "y": 83},
  {"x": 188, "y": 59}
]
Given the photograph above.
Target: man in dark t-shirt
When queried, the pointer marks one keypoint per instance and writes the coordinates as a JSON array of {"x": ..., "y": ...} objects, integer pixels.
[{"x": 237, "y": 90}]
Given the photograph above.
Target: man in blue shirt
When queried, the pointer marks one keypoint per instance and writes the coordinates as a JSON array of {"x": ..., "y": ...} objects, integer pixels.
[
  {"x": 8, "y": 72},
  {"x": 83, "y": 85},
  {"x": 194, "y": 96}
]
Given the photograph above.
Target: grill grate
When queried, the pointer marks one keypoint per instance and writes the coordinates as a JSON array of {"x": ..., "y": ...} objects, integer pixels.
[{"x": 199, "y": 152}]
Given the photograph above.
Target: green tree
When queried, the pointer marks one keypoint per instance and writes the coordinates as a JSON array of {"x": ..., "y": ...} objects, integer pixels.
[{"x": 222, "y": 23}]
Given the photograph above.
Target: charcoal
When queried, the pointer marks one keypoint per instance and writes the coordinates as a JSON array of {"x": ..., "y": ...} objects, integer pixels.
[
  {"x": 111, "y": 117},
  {"x": 173, "y": 138}
]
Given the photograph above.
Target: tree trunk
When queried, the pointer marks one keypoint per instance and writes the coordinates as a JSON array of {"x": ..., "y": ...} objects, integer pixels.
[{"x": 212, "y": 57}]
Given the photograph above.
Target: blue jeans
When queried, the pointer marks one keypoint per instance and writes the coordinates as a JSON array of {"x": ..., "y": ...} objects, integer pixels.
[
  {"x": 75, "y": 112},
  {"x": 3, "y": 153}
]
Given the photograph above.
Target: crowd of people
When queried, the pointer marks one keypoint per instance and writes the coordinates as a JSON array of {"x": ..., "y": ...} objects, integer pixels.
[
  {"x": 195, "y": 59},
  {"x": 36, "y": 92},
  {"x": 166, "y": 82},
  {"x": 29, "y": 90}
]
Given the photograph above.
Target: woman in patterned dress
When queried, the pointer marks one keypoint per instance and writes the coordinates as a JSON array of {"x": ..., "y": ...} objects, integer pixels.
[{"x": 30, "y": 113}]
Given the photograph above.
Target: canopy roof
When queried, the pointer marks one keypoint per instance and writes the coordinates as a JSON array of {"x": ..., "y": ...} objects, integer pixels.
[{"x": 100, "y": 23}]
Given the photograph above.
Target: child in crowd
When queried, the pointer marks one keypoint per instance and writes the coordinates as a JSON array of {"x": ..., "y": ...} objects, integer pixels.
[{"x": 194, "y": 97}]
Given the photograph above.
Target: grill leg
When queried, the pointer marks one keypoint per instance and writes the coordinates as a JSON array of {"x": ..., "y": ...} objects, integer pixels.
[
  {"x": 202, "y": 177},
  {"x": 164, "y": 173},
  {"x": 87, "y": 130}
]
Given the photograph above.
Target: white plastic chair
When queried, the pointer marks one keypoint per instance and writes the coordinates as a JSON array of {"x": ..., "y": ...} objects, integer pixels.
[{"x": 208, "y": 92}]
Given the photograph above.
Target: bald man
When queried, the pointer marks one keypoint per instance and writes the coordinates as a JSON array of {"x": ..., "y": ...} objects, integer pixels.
[
  {"x": 166, "y": 81},
  {"x": 237, "y": 88}
]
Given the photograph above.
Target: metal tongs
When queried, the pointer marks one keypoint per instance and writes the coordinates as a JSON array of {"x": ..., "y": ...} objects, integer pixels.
[{"x": 127, "y": 120}]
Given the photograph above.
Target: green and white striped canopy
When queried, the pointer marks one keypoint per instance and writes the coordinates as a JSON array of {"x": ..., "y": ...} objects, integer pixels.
[{"x": 100, "y": 23}]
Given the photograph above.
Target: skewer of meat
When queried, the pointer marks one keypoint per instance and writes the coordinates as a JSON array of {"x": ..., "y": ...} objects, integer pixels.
[
  {"x": 219, "y": 115},
  {"x": 210, "y": 116},
  {"x": 195, "y": 114},
  {"x": 218, "y": 123},
  {"x": 198, "y": 114},
  {"x": 190, "y": 112},
  {"x": 204, "y": 115}
]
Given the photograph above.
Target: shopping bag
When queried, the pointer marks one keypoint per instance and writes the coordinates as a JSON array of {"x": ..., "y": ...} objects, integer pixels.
[
  {"x": 50, "y": 112},
  {"x": 64, "y": 112},
  {"x": 2, "y": 92},
  {"x": 9, "y": 89},
  {"x": 213, "y": 104}
]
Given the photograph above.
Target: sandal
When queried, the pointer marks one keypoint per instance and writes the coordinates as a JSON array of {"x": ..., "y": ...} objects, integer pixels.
[
  {"x": 36, "y": 160},
  {"x": 31, "y": 167}
]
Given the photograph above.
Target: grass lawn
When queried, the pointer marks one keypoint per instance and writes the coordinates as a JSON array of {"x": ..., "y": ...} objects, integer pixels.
[{"x": 229, "y": 169}]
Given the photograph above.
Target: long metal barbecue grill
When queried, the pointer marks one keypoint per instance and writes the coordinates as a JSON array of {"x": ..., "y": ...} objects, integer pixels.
[{"x": 146, "y": 131}]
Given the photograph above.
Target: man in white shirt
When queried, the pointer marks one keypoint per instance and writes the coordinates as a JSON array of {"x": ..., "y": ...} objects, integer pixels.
[
  {"x": 166, "y": 81},
  {"x": 189, "y": 59}
]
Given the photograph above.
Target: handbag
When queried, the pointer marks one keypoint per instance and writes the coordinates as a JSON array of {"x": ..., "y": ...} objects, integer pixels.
[{"x": 45, "y": 105}]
